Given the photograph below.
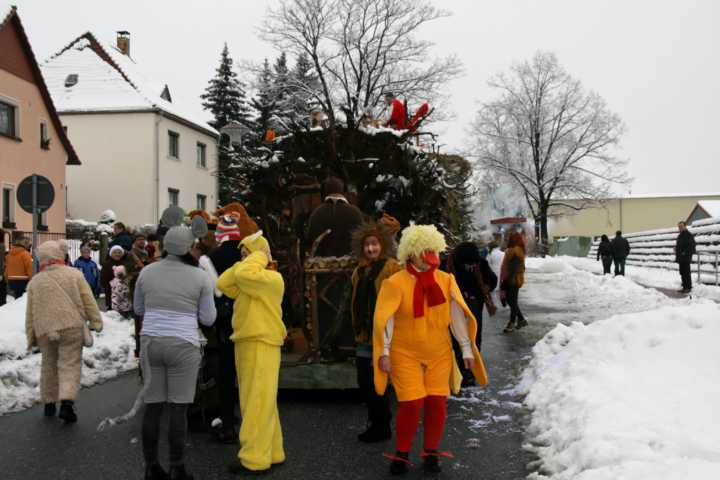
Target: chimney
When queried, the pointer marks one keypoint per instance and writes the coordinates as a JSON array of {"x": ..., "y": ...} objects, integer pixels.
[{"x": 123, "y": 42}]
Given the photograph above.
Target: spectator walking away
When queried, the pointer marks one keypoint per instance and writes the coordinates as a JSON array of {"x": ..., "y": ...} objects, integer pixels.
[
  {"x": 89, "y": 269},
  {"x": 3, "y": 280},
  {"x": 684, "y": 251},
  {"x": 416, "y": 310},
  {"x": 59, "y": 303},
  {"x": 398, "y": 116},
  {"x": 18, "y": 267},
  {"x": 372, "y": 244},
  {"x": 476, "y": 281},
  {"x": 605, "y": 253},
  {"x": 121, "y": 237},
  {"x": 234, "y": 226},
  {"x": 120, "y": 292},
  {"x": 495, "y": 260},
  {"x": 258, "y": 334},
  {"x": 116, "y": 258},
  {"x": 620, "y": 251},
  {"x": 172, "y": 295},
  {"x": 512, "y": 278}
]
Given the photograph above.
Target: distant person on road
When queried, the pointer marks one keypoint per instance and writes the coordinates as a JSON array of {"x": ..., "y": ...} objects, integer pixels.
[
  {"x": 620, "y": 251},
  {"x": 258, "y": 335},
  {"x": 18, "y": 267},
  {"x": 59, "y": 302},
  {"x": 512, "y": 278},
  {"x": 173, "y": 295},
  {"x": 605, "y": 253},
  {"x": 684, "y": 251},
  {"x": 373, "y": 245},
  {"x": 89, "y": 268}
]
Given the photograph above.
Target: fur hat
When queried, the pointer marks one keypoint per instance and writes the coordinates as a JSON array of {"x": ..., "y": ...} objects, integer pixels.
[
  {"x": 417, "y": 239},
  {"x": 372, "y": 229},
  {"x": 50, "y": 250},
  {"x": 256, "y": 242}
]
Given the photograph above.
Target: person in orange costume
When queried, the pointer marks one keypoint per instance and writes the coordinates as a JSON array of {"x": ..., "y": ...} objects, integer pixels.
[{"x": 415, "y": 311}]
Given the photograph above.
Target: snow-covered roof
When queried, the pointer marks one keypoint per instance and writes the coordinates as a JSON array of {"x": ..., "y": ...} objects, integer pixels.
[
  {"x": 109, "y": 81},
  {"x": 712, "y": 207}
]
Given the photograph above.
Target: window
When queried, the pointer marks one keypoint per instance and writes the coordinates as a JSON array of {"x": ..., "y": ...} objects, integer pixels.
[
  {"x": 201, "y": 201},
  {"x": 201, "y": 158},
  {"x": 42, "y": 221},
  {"x": 173, "y": 196},
  {"x": 173, "y": 144},
  {"x": 8, "y": 206},
  {"x": 44, "y": 136},
  {"x": 8, "y": 119}
]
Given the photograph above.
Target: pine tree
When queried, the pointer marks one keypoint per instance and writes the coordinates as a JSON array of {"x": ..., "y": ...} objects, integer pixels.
[
  {"x": 305, "y": 82},
  {"x": 225, "y": 94},
  {"x": 264, "y": 102},
  {"x": 283, "y": 90}
]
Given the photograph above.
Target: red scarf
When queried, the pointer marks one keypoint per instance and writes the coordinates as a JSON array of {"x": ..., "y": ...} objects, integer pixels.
[
  {"x": 52, "y": 261},
  {"x": 425, "y": 286}
]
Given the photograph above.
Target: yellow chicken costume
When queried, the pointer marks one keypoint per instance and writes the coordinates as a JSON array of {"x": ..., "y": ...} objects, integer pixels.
[
  {"x": 415, "y": 311},
  {"x": 258, "y": 334}
]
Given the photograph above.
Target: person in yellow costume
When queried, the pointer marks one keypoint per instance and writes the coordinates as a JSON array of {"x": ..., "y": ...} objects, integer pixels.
[
  {"x": 258, "y": 334},
  {"x": 416, "y": 310}
]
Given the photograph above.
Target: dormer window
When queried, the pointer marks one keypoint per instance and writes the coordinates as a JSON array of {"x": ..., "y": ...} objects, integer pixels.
[{"x": 71, "y": 80}]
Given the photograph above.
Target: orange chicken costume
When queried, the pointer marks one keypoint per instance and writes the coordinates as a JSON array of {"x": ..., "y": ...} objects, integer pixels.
[{"x": 414, "y": 315}]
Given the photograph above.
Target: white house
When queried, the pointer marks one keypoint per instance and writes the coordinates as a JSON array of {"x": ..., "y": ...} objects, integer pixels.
[{"x": 141, "y": 150}]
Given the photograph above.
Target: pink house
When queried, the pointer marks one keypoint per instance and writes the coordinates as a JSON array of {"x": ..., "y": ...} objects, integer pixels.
[{"x": 32, "y": 139}]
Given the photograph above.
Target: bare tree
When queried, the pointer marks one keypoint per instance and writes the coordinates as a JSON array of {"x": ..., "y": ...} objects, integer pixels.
[
  {"x": 362, "y": 48},
  {"x": 553, "y": 139}
]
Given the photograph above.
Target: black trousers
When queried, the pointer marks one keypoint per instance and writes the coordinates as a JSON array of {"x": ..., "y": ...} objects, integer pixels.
[
  {"x": 226, "y": 377},
  {"x": 620, "y": 266},
  {"x": 685, "y": 274},
  {"x": 607, "y": 263},
  {"x": 3, "y": 291},
  {"x": 176, "y": 432},
  {"x": 512, "y": 300},
  {"x": 17, "y": 287},
  {"x": 378, "y": 405},
  {"x": 476, "y": 307}
]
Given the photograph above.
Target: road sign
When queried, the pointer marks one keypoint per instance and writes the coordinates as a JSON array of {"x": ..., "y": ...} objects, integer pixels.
[{"x": 45, "y": 194}]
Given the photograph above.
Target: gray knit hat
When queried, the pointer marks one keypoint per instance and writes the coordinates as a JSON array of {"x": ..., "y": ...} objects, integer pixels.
[{"x": 178, "y": 241}]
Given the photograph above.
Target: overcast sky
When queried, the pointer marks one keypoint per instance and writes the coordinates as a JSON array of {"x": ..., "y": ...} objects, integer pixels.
[{"x": 656, "y": 62}]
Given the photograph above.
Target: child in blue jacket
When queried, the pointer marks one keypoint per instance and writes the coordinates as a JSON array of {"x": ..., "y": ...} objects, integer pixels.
[{"x": 89, "y": 269}]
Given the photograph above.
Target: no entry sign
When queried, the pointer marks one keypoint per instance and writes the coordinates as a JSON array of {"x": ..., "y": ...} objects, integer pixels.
[{"x": 45, "y": 194}]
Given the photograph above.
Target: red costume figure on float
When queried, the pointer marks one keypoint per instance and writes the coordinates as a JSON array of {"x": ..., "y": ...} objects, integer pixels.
[{"x": 398, "y": 118}]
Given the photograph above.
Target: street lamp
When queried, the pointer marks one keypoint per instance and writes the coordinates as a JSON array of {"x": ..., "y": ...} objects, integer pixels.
[{"x": 235, "y": 132}]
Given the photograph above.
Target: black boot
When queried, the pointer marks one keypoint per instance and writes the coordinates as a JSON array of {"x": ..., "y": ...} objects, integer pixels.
[
  {"x": 155, "y": 472},
  {"x": 50, "y": 409},
  {"x": 67, "y": 411},
  {"x": 431, "y": 462},
  {"x": 399, "y": 465},
  {"x": 178, "y": 472},
  {"x": 376, "y": 432}
]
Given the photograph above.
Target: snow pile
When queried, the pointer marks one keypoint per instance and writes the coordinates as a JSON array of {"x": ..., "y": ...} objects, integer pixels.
[
  {"x": 632, "y": 396},
  {"x": 111, "y": 355},
  {"x": 651, "y": 277}
]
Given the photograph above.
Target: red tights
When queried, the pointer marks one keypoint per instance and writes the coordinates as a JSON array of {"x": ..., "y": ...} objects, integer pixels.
[{"x": 408, "y": 417}]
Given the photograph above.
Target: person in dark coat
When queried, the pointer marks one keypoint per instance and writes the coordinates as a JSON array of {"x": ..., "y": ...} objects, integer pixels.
[
  {"x": 122, "y": 237},
  {"x": 620, "y": 251},
  {"x": 684, "y": 251},
  {"x": 469, "y": 266},
  {"x": 337, "y": 215},
  {"x": 605, "y": 253},
  {"x": 223, "y": 257}
]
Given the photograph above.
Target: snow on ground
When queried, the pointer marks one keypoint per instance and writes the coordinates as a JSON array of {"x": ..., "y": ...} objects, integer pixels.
[
  {"x": 632, "y": 396},
  {"x": 623, "y": 385},
  {"x": 111, "y": 355},
  {"x": 651, "y": 277}
]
